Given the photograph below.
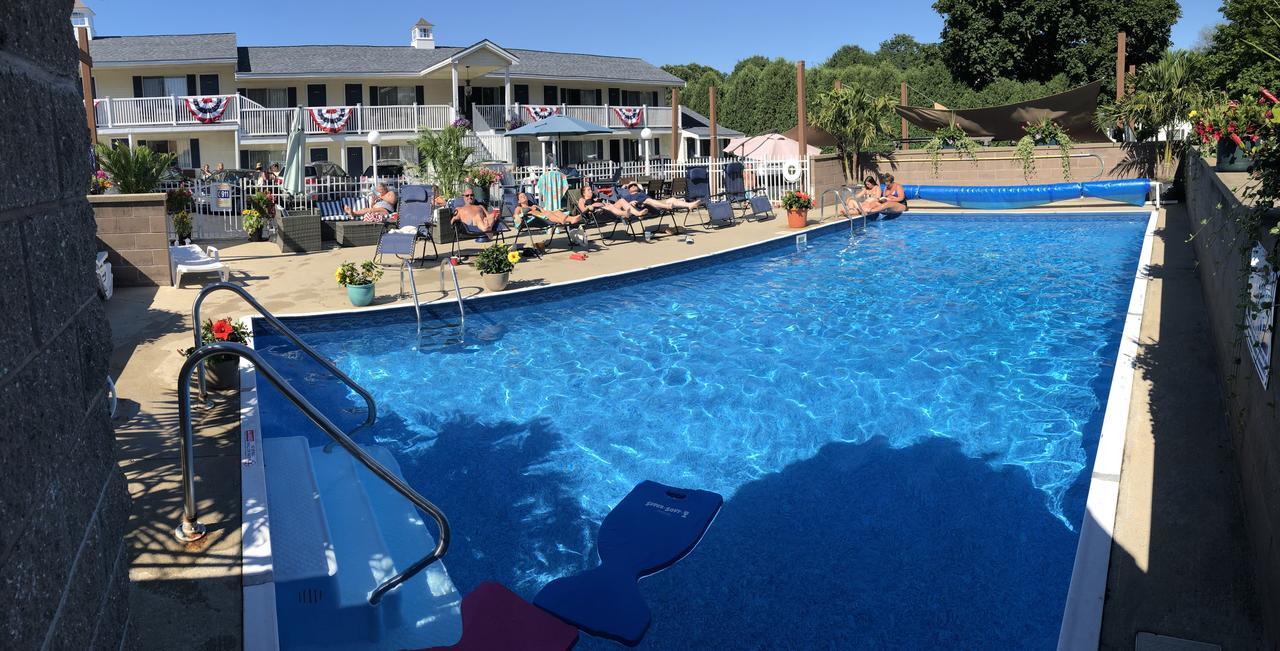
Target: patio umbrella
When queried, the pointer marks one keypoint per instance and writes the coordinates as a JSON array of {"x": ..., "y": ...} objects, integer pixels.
[
  {"x": 770, "y": 146},
  {"x": 294, "y": 168},
  {"x": 558, "y": 126},
  {"x": 813, "y": 136}
]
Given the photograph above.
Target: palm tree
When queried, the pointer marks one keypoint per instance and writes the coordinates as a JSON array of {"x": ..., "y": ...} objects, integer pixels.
[
  {"x": 857, "y": 120},
  {"x": 443, "y": 156},
  {"x": 1164, "y": 93},
  {"x": 135, "y": 170}
]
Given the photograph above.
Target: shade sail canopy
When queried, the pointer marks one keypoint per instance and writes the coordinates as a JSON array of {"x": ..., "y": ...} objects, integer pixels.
[
  {"x": 559, "y": 125},
  {"x": 1073, "y": 110},
  {"x": 812, "y": 136}
]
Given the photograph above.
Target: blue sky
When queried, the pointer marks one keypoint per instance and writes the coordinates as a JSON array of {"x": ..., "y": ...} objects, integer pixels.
[{"x": 712, "y": 33}]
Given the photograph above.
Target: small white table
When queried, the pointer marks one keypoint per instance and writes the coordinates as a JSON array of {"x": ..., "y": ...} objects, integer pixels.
[{"x": 188, "y": 258}]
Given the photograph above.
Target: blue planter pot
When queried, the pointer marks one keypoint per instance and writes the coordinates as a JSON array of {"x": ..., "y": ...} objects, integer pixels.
[{"x": 360, "y": 295}]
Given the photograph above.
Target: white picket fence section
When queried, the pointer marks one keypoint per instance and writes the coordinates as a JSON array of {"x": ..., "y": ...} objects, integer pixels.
[{"x": 767, "y": 177}]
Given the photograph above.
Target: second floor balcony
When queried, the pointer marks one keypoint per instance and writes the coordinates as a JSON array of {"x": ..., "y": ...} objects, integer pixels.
[{"x": 497, "y": 117}]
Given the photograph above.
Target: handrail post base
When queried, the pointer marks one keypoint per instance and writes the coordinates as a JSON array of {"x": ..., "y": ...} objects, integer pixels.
[{"x": 190, "y": 531}]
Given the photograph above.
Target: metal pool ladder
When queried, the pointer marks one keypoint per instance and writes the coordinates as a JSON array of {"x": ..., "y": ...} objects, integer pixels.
[
  {"x": 191, "y": 530},
  {"x": 838, "y": 193},
  {"x": 457, "y": 292}
]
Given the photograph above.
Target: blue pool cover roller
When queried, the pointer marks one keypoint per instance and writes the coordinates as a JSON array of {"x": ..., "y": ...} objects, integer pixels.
[
  {"x": 995, "y": 197},
  {"x": 649, "y": 530}
]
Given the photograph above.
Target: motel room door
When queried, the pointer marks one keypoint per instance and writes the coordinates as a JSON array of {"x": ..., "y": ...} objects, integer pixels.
[{"x": 355, "y": 161}]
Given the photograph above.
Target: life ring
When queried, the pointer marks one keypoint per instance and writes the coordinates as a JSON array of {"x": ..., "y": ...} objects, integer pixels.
[{"x": 791, "y": 171}]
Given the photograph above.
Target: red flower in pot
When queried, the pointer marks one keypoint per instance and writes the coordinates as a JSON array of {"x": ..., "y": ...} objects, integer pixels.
[{"x": 222, "y": 329}]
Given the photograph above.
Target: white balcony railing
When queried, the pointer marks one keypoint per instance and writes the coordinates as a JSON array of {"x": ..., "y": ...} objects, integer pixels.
[
  {"x": 493, "y": 116},
  {"x": 111, "y": 112}
]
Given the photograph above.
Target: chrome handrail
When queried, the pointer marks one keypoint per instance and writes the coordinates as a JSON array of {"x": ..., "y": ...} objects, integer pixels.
[
  {"x": 192, "y": 530},
  {"x": 405, "y": 264},
  {"x": 457, "y": 291},
  {"x": 822, "y": 201},
  {"x": 372, "y": 408}
]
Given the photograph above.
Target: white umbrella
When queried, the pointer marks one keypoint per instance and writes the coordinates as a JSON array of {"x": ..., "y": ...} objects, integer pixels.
[
  {"x": 770, "y": 146},
  {"x": 294, "y": 168}
]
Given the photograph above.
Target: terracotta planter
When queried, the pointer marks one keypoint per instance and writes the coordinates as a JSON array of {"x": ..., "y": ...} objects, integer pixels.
[
  {"x": 496, "y": 282},
  {"x": 224, "y": 373},
  {"x": 797, "y": 218}
]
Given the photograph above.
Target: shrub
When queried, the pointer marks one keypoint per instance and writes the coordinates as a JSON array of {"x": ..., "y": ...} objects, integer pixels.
[{"x": 134, "y": 170}]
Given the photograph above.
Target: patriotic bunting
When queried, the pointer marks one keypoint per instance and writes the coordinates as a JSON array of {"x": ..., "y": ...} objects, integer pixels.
[
  {"x": 542, "y": 112},
  {"x": 330, "y": 119},
  {"x": 207, "y": 109},
  {"x": 631, "y": 116}
]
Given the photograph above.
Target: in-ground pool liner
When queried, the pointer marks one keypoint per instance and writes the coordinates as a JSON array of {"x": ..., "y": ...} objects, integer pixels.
[
  {"x": 649, "y": 530},
  {"x": 494, "y": 617}
]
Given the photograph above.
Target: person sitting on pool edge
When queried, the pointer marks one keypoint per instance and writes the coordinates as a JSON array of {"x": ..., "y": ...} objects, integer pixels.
[
  {"x": 869, "y": 191},
  {"x": 892, "y": 200},
  {"x": 475, "y": 216},
  {"x": 383, "y": 203}
]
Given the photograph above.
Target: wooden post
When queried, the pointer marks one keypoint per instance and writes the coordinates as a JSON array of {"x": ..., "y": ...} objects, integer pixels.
[
  {"x": 675, "y": 125},
  {"x": 801, "y": 118},
  {"x": 1128, "y": 80},
  {"x": 902, "y": 101},
  {"x": 839, "y": 85},
  {"x": 86, "y": 83},
  {"x": 1120, "y": 40},
  {"x": 714, "y": 149}
]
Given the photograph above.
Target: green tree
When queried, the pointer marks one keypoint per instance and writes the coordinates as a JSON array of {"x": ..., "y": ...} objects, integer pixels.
[
  {"x": 1232, "y": 62},
  {"x": 443, "y": 157},
  {"x": 903, "y": 51},
  {"x": 857, "y": 119},
  {"x": 1164, "y": 93},
  {"x": 774, "y": 100},
  {"x": 1035, "y": 40},
  {"x": 849, "y": 55}
]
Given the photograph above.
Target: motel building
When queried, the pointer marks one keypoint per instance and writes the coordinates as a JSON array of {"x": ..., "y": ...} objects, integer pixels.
[{"x": 208, "y": 99}]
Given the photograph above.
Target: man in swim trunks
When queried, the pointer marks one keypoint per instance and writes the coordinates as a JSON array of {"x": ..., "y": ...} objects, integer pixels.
[{"x": 474, "y": 214}]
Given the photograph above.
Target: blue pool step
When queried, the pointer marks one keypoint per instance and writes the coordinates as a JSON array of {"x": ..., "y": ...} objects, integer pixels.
[{"x": 337, "y": 531}]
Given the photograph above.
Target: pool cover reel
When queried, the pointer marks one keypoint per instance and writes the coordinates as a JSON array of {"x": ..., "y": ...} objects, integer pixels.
[{"x": 995, "y": 197}]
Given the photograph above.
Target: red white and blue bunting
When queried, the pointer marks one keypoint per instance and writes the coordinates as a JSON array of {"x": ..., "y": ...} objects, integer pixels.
[
  {"x": 330, "y": 119},
  {"x": 631, "y": 116},
  {"x": 541, "y": 112},
  {"x": 207, "y": 109}
]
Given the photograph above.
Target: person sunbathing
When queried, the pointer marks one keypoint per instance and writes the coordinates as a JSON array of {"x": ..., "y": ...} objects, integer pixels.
[
  {"x": 383, "y": 203},
  {"x": 475, "y": 215},
  {"x": 629, "y": 203},
  {"x": 893, "y": 201},
  {"x": 539, "y": 217}
]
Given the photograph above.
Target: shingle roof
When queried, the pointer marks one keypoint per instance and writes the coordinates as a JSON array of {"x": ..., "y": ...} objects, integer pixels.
[
  {"x": 340, "y": 59},
  {"x": 178, "y": 47},
  {"x": 590, "y": 66},
  {"x": 700, "y": 125}
]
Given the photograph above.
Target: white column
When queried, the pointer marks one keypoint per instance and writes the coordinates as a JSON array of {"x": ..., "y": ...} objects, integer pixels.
[
  {"x": 453, "y": 68},
  {"x": 506, "y": 94}
]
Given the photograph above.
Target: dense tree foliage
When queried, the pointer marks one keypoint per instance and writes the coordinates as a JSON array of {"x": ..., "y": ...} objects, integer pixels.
[
  {"x": 1037, "y": 40},
  {"x": 1232, "y": 62}
]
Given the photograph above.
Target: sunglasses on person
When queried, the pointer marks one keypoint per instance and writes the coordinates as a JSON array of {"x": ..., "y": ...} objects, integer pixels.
[{"x": 468, "y": 196}]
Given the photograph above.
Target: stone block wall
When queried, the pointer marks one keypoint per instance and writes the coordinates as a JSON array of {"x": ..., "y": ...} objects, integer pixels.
[
  {"x": 132, "y": 229},
  {"x": 998, "y": 166},
  {"x": 63, "y": 500},
  {"x": 1252, "y": 408}
]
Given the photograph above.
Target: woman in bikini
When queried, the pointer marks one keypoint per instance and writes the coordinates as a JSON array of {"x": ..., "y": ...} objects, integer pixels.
[
  {"x": 870, "y": 191},
  {"x": 894, "y": 199},
  {"x": 526, "y": 212}
]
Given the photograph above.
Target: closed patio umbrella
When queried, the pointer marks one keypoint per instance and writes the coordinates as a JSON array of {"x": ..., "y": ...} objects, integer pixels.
[{"x": 294, "y": 168}]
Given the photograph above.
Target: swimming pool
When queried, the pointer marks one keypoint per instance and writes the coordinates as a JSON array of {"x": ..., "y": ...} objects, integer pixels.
[{"x": 900, "y": 425}]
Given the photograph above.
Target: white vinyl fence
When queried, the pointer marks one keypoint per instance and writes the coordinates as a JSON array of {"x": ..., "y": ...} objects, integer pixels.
[{"x": 766, "y": 177}]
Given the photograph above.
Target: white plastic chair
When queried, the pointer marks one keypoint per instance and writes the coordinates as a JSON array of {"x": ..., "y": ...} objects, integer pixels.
[{"x": 190, "y": 259}]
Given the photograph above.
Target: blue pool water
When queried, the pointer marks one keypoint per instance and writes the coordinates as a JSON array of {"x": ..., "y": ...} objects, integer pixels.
[{"x": 900, "y": 425}]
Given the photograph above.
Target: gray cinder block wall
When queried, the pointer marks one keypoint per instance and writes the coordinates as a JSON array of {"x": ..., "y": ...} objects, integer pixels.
[{"x": 63, "y": 500}]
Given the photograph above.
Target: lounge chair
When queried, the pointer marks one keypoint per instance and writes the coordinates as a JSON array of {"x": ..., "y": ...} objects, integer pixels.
[
  {"x": 189, "y": 259},
  {"x": 464, "y": 231},
  {"x": 720, "y": 214},
  {"x": 759, "y": 208},
  {"x": 416, "y": 212},
  {"x": 735, "y": 187},
  {"x": 697, "y": 184}
]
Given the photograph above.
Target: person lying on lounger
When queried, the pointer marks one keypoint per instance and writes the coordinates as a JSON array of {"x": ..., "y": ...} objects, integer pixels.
[
  {"x": 383, "y": 202},
  {"x": 892, "y": 201},
  {"x": 539, "y": 217},
  {"x": 638, "y": 196},
  {"x": 475, "y": 215}
]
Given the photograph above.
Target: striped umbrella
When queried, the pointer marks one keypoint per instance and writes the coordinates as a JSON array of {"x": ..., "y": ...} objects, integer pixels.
[{"x": 551, "y": 187}]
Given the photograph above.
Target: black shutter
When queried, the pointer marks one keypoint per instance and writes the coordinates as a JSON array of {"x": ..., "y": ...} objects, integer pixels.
[
  {"x": 244, "y": 159},
  {"x": 550, "y": 94},
  {"x": 653, "y": 98},
  {"x": 373, "y": 96},
  {"x": 191, "y": 85},
  {"x": 420, "y": 94},
  {"x": 195, "y": 153},
  {"x": 521, "y": 92},
  {"x": 353, "y": 94},
  {"x": 293, "y": 97},
  {"x": 317, "y": 95},
  {"x": 137, "y": 86},
  {"x": 209, "y": 84},
  {"x": 615, "y": 96}
]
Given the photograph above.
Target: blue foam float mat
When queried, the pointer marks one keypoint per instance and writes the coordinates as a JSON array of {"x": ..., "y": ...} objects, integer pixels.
[{"x": 649, "y": 530}]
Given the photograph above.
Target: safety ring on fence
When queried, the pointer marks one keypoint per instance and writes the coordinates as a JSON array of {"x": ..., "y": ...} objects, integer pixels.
[{"x": 791, "y": 171}]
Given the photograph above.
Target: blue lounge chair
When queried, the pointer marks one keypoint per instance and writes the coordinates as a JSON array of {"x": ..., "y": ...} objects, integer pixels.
[
  {"x": 465, "y": 231},
  {"x": 759, "y": 208},
  {"x": 651, "y": 529},
  {"x": 697, "y": 187},
  {"x": 416, "y": 211},
  {"x": 720, "y": 214},
  {"x": 735, "y": 187}
]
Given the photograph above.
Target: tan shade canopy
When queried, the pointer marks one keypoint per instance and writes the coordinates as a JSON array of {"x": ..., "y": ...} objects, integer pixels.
[
  {"x": 812, "y": 136},
  {"x": 1073, "y": 110}
]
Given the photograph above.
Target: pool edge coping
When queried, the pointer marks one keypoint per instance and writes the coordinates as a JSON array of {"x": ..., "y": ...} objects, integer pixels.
[
  {"x": 1081, "y": 626},
  {"x": 260, "y": 627}
]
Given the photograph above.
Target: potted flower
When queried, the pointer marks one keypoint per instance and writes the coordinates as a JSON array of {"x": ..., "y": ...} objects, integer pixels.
[
  {"x": 99, "y": 183},
  {"x": 358, "y": 281},
  {"x": 950, "y": 137},
  {"x": 182, "y": 227},
  {"x": 481, "y": 179},
  {"x": 253, "y": 222},
  {"x": 1043, "y": 132},
  {"x": 177, "y": 200},
  {"x": 798, "y": 205},
  {"x": 495, "y": 264},
  {"x": 220, "y": 370},
  {"x": 1233, "y": 129},
  {"x": 461, "y": 123}
]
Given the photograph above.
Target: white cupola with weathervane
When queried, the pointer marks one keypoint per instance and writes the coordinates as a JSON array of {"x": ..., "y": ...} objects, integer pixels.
[
  {"x": 82, "y": 16},
  {"x": 423, "y": 36}
]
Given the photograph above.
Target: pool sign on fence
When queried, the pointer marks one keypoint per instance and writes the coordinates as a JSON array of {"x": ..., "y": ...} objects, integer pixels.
[{"x": 222, "y": 198}]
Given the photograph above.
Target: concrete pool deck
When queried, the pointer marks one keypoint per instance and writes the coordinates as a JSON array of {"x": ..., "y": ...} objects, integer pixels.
[{"x": 191, "y": 597}]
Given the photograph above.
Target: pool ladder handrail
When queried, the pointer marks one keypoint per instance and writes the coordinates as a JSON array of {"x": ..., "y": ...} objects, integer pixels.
[
  {"x": 457, "y": 291},
  {"x": 192, "y": 530},
  {"x": 413, "y": 287},
  {"x": 840, "y": 202},
  {"x": 371, "y": 414}
]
